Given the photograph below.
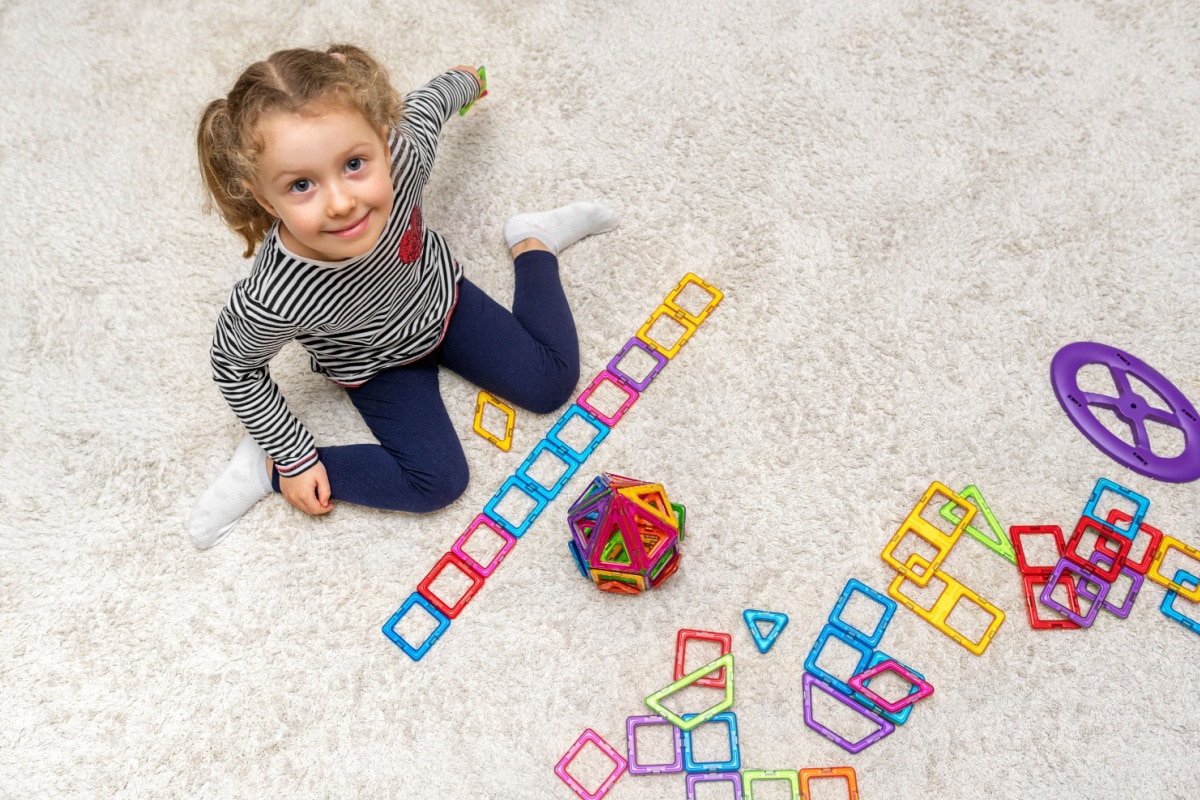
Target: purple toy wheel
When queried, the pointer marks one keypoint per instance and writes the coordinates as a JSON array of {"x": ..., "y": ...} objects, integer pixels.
[{"x": 1129, "y": 407}]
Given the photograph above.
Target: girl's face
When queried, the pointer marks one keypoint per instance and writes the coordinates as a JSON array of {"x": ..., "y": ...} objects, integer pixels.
[{"x": 327, "y": 177}]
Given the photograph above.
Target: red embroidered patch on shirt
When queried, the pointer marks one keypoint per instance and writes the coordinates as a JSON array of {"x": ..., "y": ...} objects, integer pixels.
[{"x": 413, "y": 238}]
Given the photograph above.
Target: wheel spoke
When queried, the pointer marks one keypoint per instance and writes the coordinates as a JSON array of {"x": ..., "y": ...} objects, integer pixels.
[
  {"x": 1164, "y": 418},
  {"x": 1141, "y": 437},
  {"x": 1121, "y": 379},
  {"x": 1102, "y": 400}
]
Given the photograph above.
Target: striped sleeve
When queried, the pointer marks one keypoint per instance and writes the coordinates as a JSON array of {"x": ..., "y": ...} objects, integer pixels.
[
  {"x": 427, "y": 109},
  {"x": 248, "y": 336}
]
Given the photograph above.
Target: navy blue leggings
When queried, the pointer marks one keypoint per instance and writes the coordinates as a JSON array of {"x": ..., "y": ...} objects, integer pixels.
[{"x": 529, "y": 357}]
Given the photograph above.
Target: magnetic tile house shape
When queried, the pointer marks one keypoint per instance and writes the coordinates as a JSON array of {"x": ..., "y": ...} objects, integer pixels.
[{"x": 625, "y": 533}]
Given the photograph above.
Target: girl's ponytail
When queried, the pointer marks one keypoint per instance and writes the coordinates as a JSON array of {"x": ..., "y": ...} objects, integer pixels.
[{"x": 224, "y": 168}]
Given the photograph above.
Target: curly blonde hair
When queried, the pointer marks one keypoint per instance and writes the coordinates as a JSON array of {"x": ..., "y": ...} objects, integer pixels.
[{"x": 291, "y": 81}]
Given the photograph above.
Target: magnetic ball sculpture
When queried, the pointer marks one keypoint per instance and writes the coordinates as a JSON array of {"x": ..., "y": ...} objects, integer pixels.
[{"x": 625, "y": 534}]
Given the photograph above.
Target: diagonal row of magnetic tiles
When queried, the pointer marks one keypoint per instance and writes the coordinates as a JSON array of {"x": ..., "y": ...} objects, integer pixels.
[{"x": 425, "y": 615}]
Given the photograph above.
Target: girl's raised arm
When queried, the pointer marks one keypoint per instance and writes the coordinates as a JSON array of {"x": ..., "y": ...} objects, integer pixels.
[{"x": 427, "y": 109}]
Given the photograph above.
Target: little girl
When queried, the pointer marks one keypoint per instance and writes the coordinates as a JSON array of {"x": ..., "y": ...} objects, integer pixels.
[{"x": 319, "y": 165}]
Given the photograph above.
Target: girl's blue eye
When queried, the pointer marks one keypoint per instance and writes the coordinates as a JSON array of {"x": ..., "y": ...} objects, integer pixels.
[
  {"x": 301, "y": 186},
  {"x": 354, "y": 164}
]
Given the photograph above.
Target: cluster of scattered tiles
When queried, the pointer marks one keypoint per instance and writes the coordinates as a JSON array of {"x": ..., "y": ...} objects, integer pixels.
[
  {"x": 1110, "y": 533},
  {"x": 1079, "y": 572},
  {"x": 659, "y": 338},
  {"x": 920, "y": 571},
  {"x": 1092, "y": 576},
  {"x": 1088, "y": 573},
  {"x": 717, "y": 674},
  {"x": 1107, "y": 536},
  {"x": 854, "y": 690}
]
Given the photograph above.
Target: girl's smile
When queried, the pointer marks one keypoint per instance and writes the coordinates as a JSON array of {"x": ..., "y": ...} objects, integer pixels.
[
  {"x": 353, "y": 230},
  {"x": 326, "y": 175}
]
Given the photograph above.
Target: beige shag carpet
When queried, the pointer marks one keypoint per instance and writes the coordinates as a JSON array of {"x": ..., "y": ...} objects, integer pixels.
[{"x": 910, "y": 207}]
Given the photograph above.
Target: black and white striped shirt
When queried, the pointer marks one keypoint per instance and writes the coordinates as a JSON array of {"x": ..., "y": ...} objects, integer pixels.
[{"x": 355, "y": 318}]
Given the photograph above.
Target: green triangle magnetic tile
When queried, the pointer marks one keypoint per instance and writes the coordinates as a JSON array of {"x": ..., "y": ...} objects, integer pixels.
[
  {"x": 615, "y": 553},
  {"x": 998, "y": 542}
]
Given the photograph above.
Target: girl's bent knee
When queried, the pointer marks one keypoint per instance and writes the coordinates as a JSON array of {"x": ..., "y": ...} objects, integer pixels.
[
  {"x": 435, "y": 492},
  {"x": 447, "y": 490},
  {"x": 554, "y": 393}
]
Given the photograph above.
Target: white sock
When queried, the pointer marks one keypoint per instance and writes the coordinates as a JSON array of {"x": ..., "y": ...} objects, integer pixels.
[
  {"x": 243, "y": 483},
  {"x": 562, "y": 227}
]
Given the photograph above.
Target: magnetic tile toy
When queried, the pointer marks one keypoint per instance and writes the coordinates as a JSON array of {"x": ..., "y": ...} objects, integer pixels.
[
  {"x": 1182, "y": 578},
  {"x": 583, "y": 571},
  {"x": 1064, "y": 566},
  {"x": 765, "y": 641},
  {"x": 692, "y": 763},
  {"x": 425, "y": 587},
  {"x": 606, "y": 378},
  {"x": 753, "y": 776},
  {"x": 1083, "y": 589},
  {"x": 861, "y": 683},
  {"x": 484, "y": 400},
  {"x": 681, "y": 515},
  {"x": 665, "y": 568},
  {"x": 516, "y": 484},
  {"x": 855, "y": 586},
  {"x": 1108, "y": 542},
  {"x": 714, "y": 298},
  {"x": 1103, "y": 486},
  {"x": 831, "y": 631},
  {"x": 617, "y": 546},
  {"x": 679, "y": 318},
  {"x": 938, "y": 614},
  {"x": 807, "y": 776},
  {"x": 885, "y": 727},
  {"x": 619, "y": 765},
  {"x": 618, "y": 582},
  {"x": 997, "y": 542},
  {"x": 483, "y": 522},
  {"x": 896, "y": 718},
  {"x": 616, "y": 365},
  {"x": 638, "y": 768},
  {"x": 389, "y": 627},
  {"x": 685, "y": 635},
  {"x": 1115, "y": 517},
  {"x": 1032, "y": 602},
  {"x": 1170, "y": 543},
  {"x": 548, "y": 450},
  {"x": 575, "y": 412},
  {"x": 941, "y": 541},
  {"x": 734, "y": 779},
  {"x": 1017, "y": 534}
]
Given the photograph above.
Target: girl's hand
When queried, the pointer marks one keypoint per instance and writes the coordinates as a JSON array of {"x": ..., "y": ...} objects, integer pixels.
[
  {"x": 309, "y": 491},
  {"x": 473, "y": 70}
]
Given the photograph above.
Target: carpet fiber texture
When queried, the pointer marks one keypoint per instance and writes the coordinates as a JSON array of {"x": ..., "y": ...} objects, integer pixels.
[{"x": 910, "y": 207}]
